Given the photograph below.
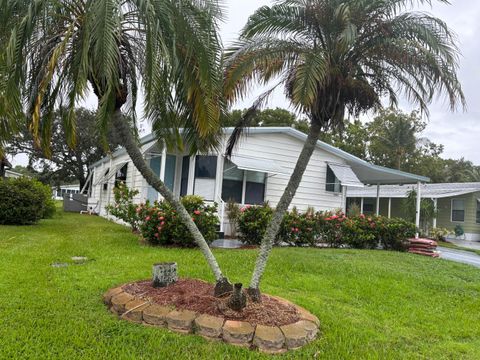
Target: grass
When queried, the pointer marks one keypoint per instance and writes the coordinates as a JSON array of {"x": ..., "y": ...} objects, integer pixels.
[
  {"x": 372, "y": 304},
  {"x": 450, "y": 245}
]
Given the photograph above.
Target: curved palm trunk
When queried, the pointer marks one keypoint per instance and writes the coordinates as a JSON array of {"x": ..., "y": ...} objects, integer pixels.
[
  {"x": 283, "y": 204},
  {"x": 137, "y": 158}
]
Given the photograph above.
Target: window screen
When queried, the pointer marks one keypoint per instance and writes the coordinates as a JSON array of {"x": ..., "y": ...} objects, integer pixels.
[
  {"x": 184, "y": 178},
  {"x": 232, "y": 182},
  {"x": 478, "y": 211},
  {"x": 205, "y": 174},
  {"x": 255, "y": 188},
  {"x": 458, "y": 210},
  {"x": 333, "y": 184}
]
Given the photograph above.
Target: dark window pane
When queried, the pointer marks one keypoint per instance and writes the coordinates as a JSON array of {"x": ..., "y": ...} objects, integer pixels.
[
  {"x": 184, "y": 178},
  {"x": 254, "y": 193},
  {"x": 121, "y": 175},
  {"x": 170, "y": 164},
  {"x": 232, "y": 190},
  {"x": 206, "y": 167},
  {"x": 332, "y": 185},
  {"x": 458, "y": 215},
  {"x": 478, "y": 212}
]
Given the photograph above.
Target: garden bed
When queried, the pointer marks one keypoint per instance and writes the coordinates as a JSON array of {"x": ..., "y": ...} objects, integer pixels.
[{"x": 188, "y": 306}]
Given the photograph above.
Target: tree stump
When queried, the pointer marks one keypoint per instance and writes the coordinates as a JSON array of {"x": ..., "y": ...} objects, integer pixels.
[
  {"x": 164, "y": 274},
  {"x": 238, "y": 300}
]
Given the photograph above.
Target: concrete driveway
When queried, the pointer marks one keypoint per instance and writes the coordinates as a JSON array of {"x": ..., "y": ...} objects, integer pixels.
[{"x": 460, "y": 256}]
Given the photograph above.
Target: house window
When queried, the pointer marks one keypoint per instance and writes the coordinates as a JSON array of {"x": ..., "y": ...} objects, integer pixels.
[
  {"x": 121, "y": 175},
  {"x": 105, "y": 184},
  {"x": 458, "y": 210},
  {"x": 184, "y": 177},
  {"x": 478, "y": 211},
  {"x": 255, "y": 188},
  {"x": 232, "y": 186},
  {"x": 253, "y": 193},
  {"x": 368, "y": 206},
  {"x": 333, "y": 184},
  {"x": 155, "y": 166},
  {"x": 205, "y": 174}
]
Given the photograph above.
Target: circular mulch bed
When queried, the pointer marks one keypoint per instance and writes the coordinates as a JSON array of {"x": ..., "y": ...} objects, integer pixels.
[
  {"x": 197, "y": 295},
  {"x": 188, "y": 306}
]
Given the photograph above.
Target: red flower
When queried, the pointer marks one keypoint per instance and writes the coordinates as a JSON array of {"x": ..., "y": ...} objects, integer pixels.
[
  {"x": 197, "y": 212},
  {"x": 147, "y": 218}
]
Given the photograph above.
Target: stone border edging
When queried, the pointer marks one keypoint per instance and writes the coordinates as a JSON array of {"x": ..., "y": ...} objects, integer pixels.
[{"x": 268, "y": 339}]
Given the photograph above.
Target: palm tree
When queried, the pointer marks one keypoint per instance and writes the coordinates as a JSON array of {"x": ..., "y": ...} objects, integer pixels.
[
  {"x": 59, "y": 50},
  {"x": 338, "y": 56}
]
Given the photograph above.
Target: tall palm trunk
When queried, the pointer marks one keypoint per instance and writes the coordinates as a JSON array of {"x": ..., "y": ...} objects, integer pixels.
[
  {"x": 137, "y": 158},
  {"x": 282, "y": 206}
]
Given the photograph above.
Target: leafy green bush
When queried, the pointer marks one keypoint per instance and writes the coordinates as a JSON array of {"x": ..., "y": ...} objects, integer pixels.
[
  {"x": 24, "y": 201},
  {"x": 124, "y": 207},
  {"x": 160, "y": 224},
  {"x": 459, "y": 230},
  {"x": 252, "y": 223},
  {"x": 394, "y": 233}
]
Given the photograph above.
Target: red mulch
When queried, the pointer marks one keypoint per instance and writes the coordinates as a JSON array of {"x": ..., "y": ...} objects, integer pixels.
[{"x": 197, "y": 295}]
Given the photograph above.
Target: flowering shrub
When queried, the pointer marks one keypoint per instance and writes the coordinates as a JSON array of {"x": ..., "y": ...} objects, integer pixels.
[
  {"x": 160, "y": 224},
  {"x": 252, "y": 223},
  {"x": 439, "y": 234},
  {"x": 124, "y": 208},
  {"x": 299, "y": 229}
]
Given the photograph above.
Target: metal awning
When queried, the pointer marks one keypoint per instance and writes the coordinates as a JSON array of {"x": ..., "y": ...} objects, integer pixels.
[
  {"x": 259, "y": 165},
  {"x": 110, "y": 173},
  {"x": 345, "y": 175}
]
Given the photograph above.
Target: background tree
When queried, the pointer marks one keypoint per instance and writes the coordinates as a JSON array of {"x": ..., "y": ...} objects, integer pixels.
[
  {"x": 66, "y": 164},
  {"x": 394, "y": 142},
  {"x": 59, "y": 50},
  {"x": 334, "y": 57}
]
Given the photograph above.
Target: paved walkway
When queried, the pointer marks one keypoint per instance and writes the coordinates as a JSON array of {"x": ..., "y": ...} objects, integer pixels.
[
  {"x": 475, "y": 245},
  {"x": 461, "y": 256}
]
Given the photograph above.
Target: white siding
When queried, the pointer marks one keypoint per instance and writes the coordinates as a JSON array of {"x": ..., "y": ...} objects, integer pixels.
[
  {"x": 281, "y": 148},
  {"x": 284, "y": 150}
]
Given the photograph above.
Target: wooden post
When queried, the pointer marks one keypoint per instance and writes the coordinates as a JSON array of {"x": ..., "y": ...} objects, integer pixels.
[{"x": 164, "y": 274}]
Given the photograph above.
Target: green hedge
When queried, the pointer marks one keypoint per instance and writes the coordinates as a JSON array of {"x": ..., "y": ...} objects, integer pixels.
[
  {"x": 24, "y": 201},
  {"x": 311, "y": 228}
]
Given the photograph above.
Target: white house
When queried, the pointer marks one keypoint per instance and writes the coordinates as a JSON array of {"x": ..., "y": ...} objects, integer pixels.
[
  {"x": 258, "y": 172},
  {"x": 58, "y": 192}
]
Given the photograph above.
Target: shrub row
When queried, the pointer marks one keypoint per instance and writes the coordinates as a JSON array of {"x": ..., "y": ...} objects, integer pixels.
[
  {"x": 24, "y": 201},
  {"x": 333, "y": 228}
]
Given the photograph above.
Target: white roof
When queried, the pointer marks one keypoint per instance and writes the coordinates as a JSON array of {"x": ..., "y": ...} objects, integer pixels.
[
  {"x": 345, "y": 175},
  {"x": 433, "y": 191},
  {"x": 260, "y": 165}
]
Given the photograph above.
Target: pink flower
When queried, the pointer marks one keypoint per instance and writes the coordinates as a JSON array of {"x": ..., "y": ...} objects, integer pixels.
[
  {"x": 362, "y": 216},
  {"x": 293, "y": 229},
  {"x": 193, "y": 219},
  {"x": 162, "y": 223},
  {"x": 157, "y": 235},
  {"x": 197, "y": 212},
  {"x": 161, "y": 218},
  {"x": 147, "y": 218},
  {"x": 334, "y": 217}
]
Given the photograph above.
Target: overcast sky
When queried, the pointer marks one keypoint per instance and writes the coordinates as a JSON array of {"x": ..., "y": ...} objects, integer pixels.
[{"x": 459, "y": 131}]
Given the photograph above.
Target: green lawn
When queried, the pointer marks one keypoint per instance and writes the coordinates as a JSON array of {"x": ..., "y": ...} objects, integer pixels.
[{"x": 372, "y": 304}]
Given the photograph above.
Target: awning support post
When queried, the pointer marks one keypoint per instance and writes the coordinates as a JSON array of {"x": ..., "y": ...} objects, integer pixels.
[
  {"x": 417, "y": 213},
  {"x": 389, "y": 207},
  {"x": 361, "y": 205},
  {"x": 378, "y": 200},
  {"x": 435, "y": 208}
]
